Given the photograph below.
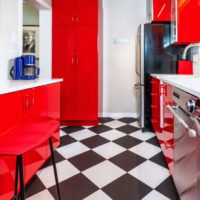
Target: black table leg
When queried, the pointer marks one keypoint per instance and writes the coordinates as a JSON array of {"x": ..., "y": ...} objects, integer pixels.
[
  {"x": 21, "y": 176},
  {"x": 16, "y": 178},
  {"x": 54, "y": 168}
]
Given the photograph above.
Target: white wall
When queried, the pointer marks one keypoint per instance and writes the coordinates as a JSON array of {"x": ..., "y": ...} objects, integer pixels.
[
  {"x": 10, "y": 35},
  {"x": 45, "y": 44},
  {"x": 30, "y": 15},
  {"x": 121, "y": 19}
]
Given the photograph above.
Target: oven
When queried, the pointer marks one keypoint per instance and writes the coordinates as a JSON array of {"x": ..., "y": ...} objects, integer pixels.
[{"x": 186, "y": 172}]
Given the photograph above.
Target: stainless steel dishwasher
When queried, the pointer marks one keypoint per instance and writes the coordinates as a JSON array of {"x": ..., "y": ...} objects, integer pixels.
[{"x": 186, "y": 175}]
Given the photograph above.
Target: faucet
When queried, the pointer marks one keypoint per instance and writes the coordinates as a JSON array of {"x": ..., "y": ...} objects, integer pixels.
[{"x": 184, "y": 56}]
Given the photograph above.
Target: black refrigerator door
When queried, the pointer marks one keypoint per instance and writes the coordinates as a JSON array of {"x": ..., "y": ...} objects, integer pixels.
[{"x": 160, "y": 57}]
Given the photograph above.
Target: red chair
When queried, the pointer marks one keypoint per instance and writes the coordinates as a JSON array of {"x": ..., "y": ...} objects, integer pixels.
[{"x": 23, "y": 139}]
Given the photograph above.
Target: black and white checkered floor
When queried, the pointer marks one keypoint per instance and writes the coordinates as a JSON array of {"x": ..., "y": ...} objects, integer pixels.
[{"x": 111, "y": 161}]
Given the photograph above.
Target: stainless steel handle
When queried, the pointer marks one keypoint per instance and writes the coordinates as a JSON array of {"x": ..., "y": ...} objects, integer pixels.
[
  {"x": 191, "y": 132},
  {"x": 173, "y": 31}
]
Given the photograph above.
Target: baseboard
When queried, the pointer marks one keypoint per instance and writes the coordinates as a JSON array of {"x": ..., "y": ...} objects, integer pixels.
[
  {"x": 79, "y": 123},
  {"x": 118, "y": 115}
]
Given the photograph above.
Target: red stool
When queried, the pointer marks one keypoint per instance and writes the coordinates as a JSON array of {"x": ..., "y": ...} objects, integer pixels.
[{"x": 23, "y": 139}]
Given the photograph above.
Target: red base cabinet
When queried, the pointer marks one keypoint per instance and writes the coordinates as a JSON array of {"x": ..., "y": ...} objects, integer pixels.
[
  {"x": 18, "y": 108},
  {"x": 158, "y": 10},
  {"x": 75, "y": 59},
  {"x": 162, "y": 119},
  {"x": 185, "y": 17}
]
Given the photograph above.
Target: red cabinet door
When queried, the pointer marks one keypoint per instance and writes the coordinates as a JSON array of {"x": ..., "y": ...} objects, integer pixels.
[
  {"x": 158, "y": 10},
  {"x": 185, "y": 20},
  {"x": 155, "y": 106},
  {"x": 86, "y": 12},
  {"x": 40, "y": 103},
  {"x": 11, "y": 108},
  {"x": 64, "y": 67},
  {"x": 63, "y": 12},
  {"x": 162, "y": 10},
  {"x": 86, "y": 74},
  {"x": 168, "y": 127},
  {"x": 53, "y": 92}
]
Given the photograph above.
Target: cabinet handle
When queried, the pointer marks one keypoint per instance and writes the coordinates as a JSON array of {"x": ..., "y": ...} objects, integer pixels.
[
  {"x": 26, "y": 103},
  {"x": 77, "y": 19},
  {"x": 163, "y": 89},
  {"x": 72, "y": 60},
  {"x": 77, "y": 60},
  {"x": 72, "y": 19},
  {"x": 33, "y": 100}
]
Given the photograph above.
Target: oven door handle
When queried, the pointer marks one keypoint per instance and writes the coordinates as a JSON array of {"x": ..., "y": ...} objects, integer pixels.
[
  {"x": 196, "y": 122},
  {"x": 191, "y": 132}
]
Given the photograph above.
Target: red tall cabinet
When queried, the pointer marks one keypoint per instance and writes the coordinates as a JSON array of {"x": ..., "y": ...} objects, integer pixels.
[{"x": 75, "y": 59}]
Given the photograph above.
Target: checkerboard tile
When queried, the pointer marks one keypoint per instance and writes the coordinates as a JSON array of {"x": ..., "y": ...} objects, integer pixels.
[
  {"x": 145, "y": 150},
  {"x": 150, "y": 173},
  {"x": 114, "y": 160}
]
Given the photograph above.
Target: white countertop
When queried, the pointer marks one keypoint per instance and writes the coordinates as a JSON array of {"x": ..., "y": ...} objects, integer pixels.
[
  {"x": 188, "y": 83},
  {"x": 17, "y": 85}
]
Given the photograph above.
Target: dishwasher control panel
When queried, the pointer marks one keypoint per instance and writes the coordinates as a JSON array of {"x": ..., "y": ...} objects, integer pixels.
[{"x": 188, "y": 102}]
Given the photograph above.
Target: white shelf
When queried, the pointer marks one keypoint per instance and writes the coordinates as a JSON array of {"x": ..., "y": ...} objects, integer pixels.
[{"x": 40, "y": 4}]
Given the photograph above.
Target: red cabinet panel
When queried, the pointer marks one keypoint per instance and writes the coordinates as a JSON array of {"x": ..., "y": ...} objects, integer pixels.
[
  {"x": 75, "y": 12},
  {"x": 86, "y": 74},
  {"x": 39, "y": 103},
  {"x": 64, "y": 67},
  {"x": 11, "y": 106},
  {"x": 63, "y": 12},
  {"x": 162, "y": 10},
  {"x": 155, "y": 105},
  {"x": 86, "y": 12},
  {"x": 185, "y": 20},
  {"x": 158, "y": 10},
  {"x": 53, "y": 91}
]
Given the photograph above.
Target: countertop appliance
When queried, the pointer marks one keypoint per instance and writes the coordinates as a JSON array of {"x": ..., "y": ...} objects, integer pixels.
[
  {"x": 186, "y": 175},
  {"x": 24, "y": 68},
  {"x": 154, "y": 55}
]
